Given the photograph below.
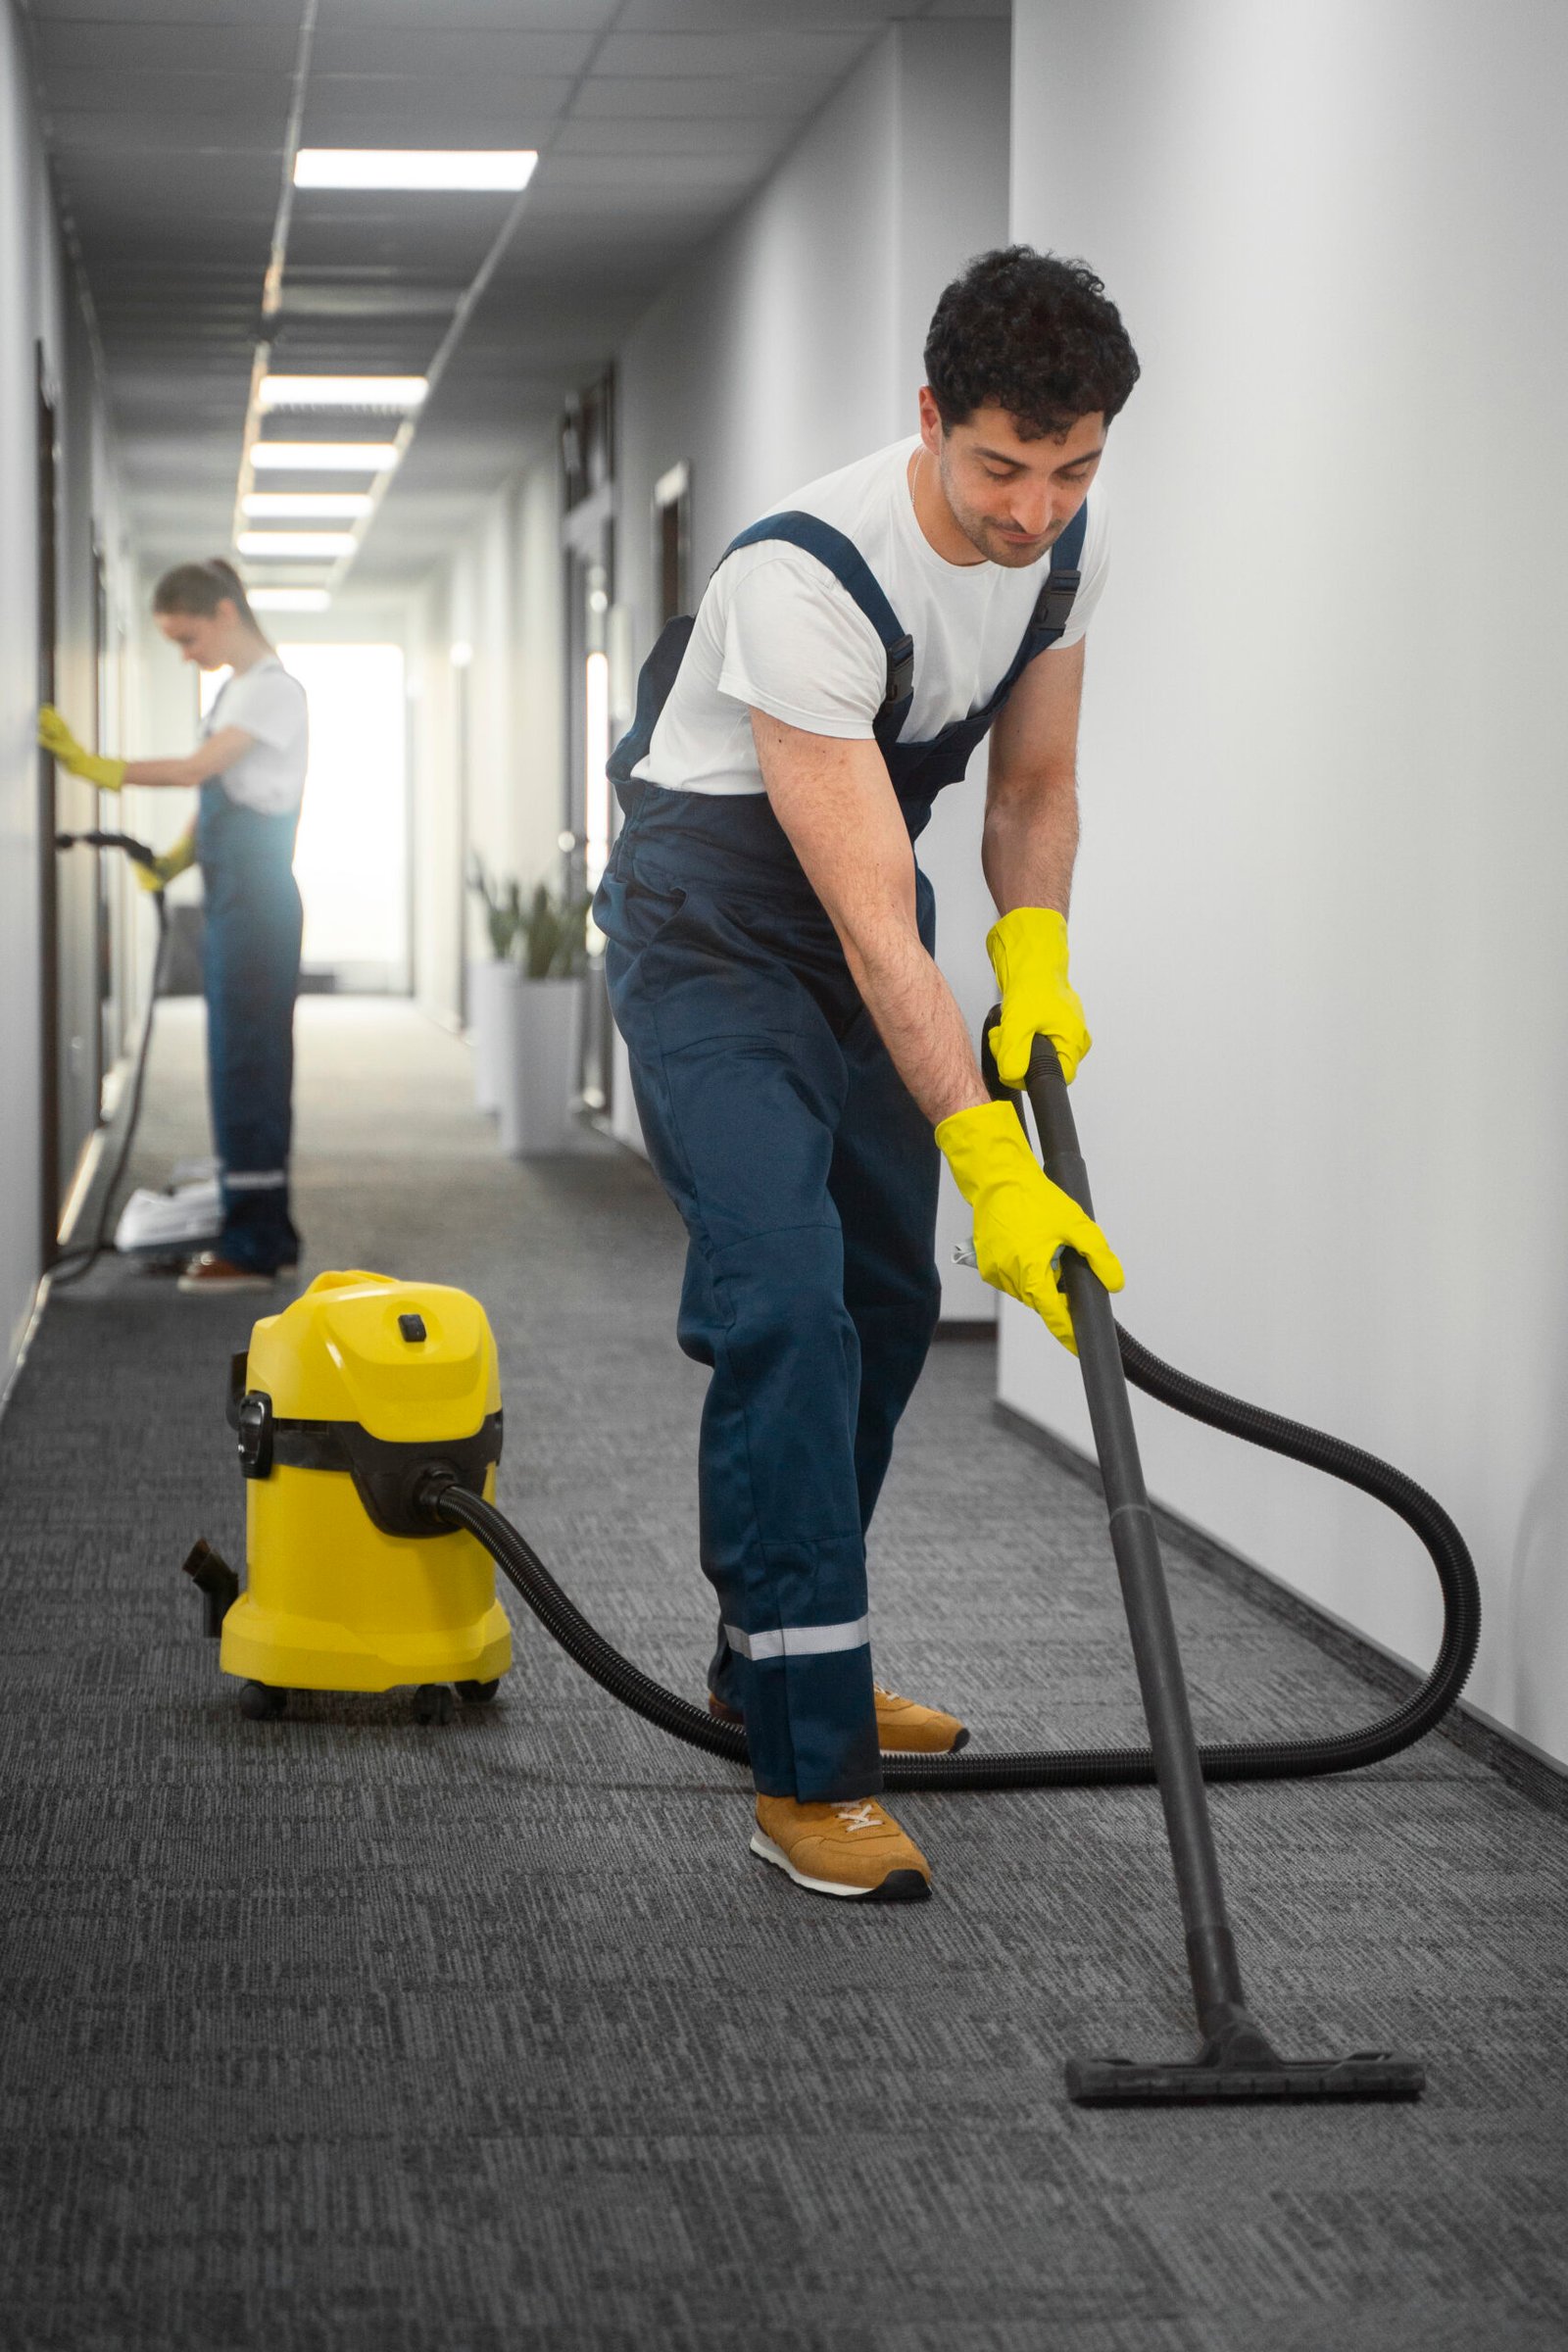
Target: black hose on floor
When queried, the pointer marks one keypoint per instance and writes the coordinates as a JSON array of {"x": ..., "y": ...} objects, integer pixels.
[{"x": 1084, "y": 1767}]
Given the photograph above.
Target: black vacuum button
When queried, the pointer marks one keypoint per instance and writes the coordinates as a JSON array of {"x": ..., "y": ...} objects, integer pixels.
[{"x": 412, "y": 1327}]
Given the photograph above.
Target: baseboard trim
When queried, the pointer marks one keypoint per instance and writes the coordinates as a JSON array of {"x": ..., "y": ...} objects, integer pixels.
[{"x": 1536, "y": 1776}]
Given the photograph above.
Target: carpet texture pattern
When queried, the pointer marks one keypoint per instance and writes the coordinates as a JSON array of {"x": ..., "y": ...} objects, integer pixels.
[{"x": 342, "y": 2034}]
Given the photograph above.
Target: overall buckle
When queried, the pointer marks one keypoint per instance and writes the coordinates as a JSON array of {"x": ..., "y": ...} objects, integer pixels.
[{"x": 901, "y": 669}]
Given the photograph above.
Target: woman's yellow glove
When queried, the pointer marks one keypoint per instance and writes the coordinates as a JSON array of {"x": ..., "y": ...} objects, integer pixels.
[
  {"x": 1022, "y": 1221},
  {"x": 1028, "y": 951},
  {"x": 60, "y": 743},
  {"x": 168, "y": 867}
]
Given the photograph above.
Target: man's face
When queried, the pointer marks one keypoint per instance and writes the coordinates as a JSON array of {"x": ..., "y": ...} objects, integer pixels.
[{"x": 1012, "y": 498}]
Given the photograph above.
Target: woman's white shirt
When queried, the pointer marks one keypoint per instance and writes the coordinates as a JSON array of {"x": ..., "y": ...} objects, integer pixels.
[{"x": 269, "y": 705}]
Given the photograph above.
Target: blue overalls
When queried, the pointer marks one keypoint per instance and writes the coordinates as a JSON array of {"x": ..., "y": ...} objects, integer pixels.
[
  {"x": 250, "y": 973},
  {"x": 806, "y": 1177}
]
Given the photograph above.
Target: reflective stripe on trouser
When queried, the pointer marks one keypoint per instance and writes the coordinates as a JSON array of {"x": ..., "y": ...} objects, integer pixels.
[
  {"x": 806, "y": 1177},
  {"x": 249, "y": 971}
]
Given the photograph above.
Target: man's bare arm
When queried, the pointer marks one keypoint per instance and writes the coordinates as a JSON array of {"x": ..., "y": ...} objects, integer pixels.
[
  {"x": 835, "y": 802},
  {"x": 1031, "y": 828}
]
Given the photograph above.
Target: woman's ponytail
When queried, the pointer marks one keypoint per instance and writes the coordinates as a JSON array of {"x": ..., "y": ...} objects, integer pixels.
[{"x": 200, "y": 588}]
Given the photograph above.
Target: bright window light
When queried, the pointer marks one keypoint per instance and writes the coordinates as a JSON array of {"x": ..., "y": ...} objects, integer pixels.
[
  {"x": 401, "y": 392},
  {"x": 288, "y": 599},
  {"x": 297, "y": 543},
  {"x": 321, "y": 506},
  {"x": 323, "y": 457},
  {"x": 506, "y": 169}
]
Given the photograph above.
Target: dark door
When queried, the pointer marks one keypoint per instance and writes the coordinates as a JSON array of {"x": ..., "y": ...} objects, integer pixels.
[{"x": 48, "y": 521}]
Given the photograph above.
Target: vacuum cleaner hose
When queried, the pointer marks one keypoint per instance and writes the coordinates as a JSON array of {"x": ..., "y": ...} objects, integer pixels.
[
  {"x": 1093, "y": 1767},
  {"x": 69, "y": 1266}
]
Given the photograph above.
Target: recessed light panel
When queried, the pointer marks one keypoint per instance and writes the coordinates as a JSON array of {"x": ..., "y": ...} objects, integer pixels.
[
  {"x": 323, "y": 457},
  {"x": 326, "y": 544},
  {"x": 317, "y": 506},
  {"x": 504, "y": 170},
  {"x": 398, "y": 392},
  {"x": 288, "y": 599}
]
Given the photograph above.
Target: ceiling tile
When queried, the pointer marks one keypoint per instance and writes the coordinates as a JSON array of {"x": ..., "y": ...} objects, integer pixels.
[
  {"x": 766, "y": 49},
  {"x": 467, "y": 16},
  {"x": 729, "y": 16},
  {"x": 442, "y": 51},
  {"x": 625, "y": 97},
  {"x": 197, "y": 100},
  {"x": 196, "y": 14},
  {"x": 758, "y": 137}
]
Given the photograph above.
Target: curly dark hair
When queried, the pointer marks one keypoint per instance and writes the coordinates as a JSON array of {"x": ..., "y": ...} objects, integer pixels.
[{"x": 1033, "y": 334}]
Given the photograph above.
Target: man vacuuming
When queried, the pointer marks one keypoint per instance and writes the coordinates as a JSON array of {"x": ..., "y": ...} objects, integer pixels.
[{"x": 797, "y": 1057}]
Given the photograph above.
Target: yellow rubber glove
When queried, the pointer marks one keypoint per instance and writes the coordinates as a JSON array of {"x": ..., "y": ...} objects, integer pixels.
[
  {"x": 1022, "y": 1221},
  {"x": 168, "y": 867},
  {"x": 60, "y": 743},
  {"x": 1028, "y": 951}
]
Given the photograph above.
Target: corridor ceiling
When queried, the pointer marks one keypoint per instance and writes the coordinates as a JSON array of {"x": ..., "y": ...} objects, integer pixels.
[{"x": 167, "y": 122}]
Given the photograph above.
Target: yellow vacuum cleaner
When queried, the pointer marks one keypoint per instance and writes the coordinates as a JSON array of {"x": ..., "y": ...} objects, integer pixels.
[
  {"x": 342, "y": 1405},
  {"x": 368, "y": 1416}
]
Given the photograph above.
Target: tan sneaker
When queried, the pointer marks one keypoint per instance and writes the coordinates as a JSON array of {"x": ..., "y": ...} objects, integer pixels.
[
  {"x": 904, "y": 1728},
  {"x": 851, "y": 1847}
]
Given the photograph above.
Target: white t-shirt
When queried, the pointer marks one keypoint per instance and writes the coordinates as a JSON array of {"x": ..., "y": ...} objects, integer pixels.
[
  {"x": 269, "y": 705},
  {"x": 776, "y": 632}
]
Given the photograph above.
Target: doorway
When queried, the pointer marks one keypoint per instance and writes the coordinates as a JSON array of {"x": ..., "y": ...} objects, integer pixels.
[{"x": 352, "y": 862}]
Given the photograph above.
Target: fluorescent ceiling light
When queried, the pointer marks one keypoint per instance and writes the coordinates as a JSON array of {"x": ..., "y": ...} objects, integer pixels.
[
  {"x": 342, "y": 391},
  {"x": 323, "y": 457},
  {"x": 320, "y": 505},
  {"x": 297, "y": 543},
  {"x": 506, "y": 169},
  {"x": 288, "y": 599}
]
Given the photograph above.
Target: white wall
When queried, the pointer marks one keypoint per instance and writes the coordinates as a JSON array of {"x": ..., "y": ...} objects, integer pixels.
[
  {"x": 37, "y": 303},
  {"x": 1318, "y": 926},
  {"x": 501, "y": 596},
  {"x": 793, "y": 345}
]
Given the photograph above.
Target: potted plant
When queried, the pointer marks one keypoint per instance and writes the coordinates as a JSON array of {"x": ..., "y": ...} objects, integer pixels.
[
  {"x": 487, "y": 978},
  {"x": 542, "y": 1017}
]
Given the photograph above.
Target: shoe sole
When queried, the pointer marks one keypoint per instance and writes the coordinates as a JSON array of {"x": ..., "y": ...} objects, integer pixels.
[
  {"x": 899, "y": 1887},
  {"x": 223, "y": 1290}
]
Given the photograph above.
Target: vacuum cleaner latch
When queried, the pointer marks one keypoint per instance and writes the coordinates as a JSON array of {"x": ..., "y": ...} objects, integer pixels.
[{"x": 254, "y": 1422}]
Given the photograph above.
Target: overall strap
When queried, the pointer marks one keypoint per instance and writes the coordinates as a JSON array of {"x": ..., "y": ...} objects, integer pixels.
[
  {"x": 844, "y": 559},
  {"x": 1054, "y": 605}
]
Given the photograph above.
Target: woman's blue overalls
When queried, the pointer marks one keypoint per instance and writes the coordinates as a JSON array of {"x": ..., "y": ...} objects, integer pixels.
[
  {"x": 806, "y": 1177},
  {"x": 250, "y": 972}
]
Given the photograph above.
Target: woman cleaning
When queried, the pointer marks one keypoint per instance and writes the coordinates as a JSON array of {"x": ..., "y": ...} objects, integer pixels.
[{"x": 249, "y": 765}]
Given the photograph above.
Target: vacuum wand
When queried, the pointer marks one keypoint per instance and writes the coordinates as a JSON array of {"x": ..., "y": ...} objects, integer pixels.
[{"x": 1237, "y": 2060}]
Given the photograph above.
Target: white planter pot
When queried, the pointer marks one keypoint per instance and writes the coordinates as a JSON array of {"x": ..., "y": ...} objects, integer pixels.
[
  {"x": 541, "y": 1025},
  {"x": 488, "y": 977}
]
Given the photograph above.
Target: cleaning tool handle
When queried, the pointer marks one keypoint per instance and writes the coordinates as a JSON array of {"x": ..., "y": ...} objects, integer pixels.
[{"x": 1135, "y": 1540}]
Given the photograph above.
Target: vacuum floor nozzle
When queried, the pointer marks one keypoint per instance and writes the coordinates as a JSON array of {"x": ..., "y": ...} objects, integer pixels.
[{"x": 1124, "y": 2082}]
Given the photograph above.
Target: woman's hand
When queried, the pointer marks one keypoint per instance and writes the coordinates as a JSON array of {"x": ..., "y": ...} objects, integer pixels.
[{"x": 94, "y": 768}]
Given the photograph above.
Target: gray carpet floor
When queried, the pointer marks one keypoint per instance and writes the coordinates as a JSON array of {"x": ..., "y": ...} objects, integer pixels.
[{"x": 344, "y": 2033}]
